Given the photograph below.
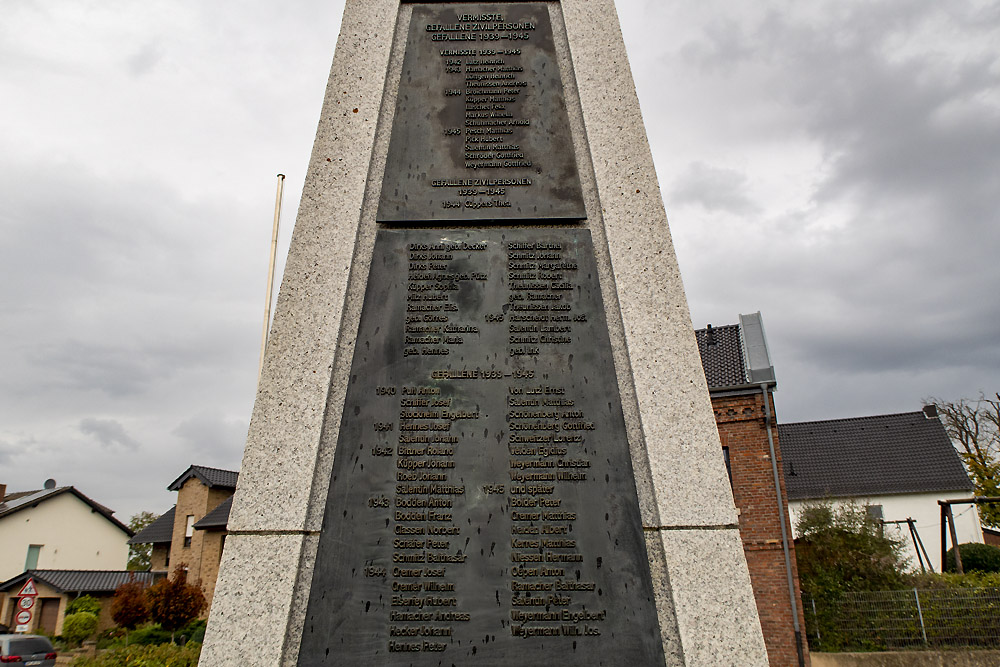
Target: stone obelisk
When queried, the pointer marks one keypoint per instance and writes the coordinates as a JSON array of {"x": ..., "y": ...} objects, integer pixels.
[{"x": 482, "y": 434}]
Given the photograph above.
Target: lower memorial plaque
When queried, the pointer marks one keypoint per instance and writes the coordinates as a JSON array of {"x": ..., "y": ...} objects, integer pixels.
[{"x": 482, "y": 508}]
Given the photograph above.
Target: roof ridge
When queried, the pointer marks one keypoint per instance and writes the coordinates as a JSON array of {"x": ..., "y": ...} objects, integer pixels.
[
  {"x": 201, "y": 467},
  {"x": 102, "y": 571},
  {"x": 721, "y": 326},
  {"x": 847, "y": 419}
]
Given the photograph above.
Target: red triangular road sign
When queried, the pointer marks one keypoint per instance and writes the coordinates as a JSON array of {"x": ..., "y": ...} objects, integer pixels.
[{"x": 28, "y": 589}]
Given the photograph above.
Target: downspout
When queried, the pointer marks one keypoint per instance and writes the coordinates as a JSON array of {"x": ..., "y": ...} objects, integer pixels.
[{"x": 784, "y": 529}]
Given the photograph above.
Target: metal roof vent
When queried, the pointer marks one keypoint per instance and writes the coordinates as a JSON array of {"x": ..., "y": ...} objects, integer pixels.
[
  {"x": 710, "y": 335},
  {"x": 50, "y": 484}
]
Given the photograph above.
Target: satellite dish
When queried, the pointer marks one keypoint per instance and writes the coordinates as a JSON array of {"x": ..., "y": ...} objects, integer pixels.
[{"x": 50, "y": 484}]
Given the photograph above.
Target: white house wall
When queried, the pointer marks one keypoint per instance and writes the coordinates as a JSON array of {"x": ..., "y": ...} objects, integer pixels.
[
  {"x": 72, "y": 535},
  {"x": 924, "y": 510}
]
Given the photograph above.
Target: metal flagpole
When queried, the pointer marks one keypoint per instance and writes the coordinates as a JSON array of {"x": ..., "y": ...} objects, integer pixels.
[{"x": 270, "y": 275}]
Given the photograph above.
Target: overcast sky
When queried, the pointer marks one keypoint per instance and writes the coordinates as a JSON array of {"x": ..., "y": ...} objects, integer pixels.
[{"x": 834, "y": 164}]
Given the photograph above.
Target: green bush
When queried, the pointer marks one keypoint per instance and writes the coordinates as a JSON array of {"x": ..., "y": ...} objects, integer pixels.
[
  {"x": 78, "y": 627},
  {"x": 936, "y": 581},
  {"x": 842, "y": 550},
  {"x": 85, "y": 603},
  {"x": 133, "y": 655},
  {"x": 975, "y": 558},
  {"x": 193, "y": 631},
  {"x": 149, "y": 634},
  {"x": 111, "y": 637}
]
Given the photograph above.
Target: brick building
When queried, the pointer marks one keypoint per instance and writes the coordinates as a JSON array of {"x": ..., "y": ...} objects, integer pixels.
[
  {"x": 741, "y": 383},
  {"x": 193, "y": 531}
]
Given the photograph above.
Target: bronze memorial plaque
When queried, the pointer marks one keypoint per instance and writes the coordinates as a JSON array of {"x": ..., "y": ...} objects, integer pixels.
[
  {"x": 482, "y": 508},
  {"x": 480, "y": 130}
]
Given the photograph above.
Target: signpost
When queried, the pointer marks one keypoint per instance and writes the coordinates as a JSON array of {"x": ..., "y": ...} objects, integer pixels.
[
  {"x": 25, "y": 603},
  {"x": 28, "y": 590}
]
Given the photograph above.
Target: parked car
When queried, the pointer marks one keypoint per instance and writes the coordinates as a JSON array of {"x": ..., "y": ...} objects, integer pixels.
[{"x": 26, "y": 651}]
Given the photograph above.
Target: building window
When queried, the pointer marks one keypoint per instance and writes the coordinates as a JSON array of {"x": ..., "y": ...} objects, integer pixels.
[
  {"x": 31, "y": 562},
  {"x": 876, "y": 516},
  {"x": 729, "y": 465},
  {"x": 189, "y": 530}
]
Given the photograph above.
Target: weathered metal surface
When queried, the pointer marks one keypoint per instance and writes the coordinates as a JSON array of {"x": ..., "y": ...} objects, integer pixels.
[
  {"x": 480, "y": 130},
  {"x": 482, "y": 508}
]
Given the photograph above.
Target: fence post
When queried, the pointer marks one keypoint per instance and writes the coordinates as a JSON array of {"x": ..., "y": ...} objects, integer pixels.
[
  {"x": 815, "y": 618},
  {"x": 920, "y": 614}
]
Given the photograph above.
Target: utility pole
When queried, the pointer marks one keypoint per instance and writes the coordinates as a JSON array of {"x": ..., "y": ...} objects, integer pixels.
[{"x": 270, "y": 275}]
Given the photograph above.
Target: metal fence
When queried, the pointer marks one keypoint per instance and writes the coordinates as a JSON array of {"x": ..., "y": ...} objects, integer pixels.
[{"x": 887, "y": 620}]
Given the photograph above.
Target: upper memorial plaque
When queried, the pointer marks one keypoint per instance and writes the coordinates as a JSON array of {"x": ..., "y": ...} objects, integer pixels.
[{"x": 480, "y": 131}]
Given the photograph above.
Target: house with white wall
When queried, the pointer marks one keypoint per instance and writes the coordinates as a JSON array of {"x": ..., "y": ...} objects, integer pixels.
[
  {"x": 898, "y": 466},
  {"x": 58, "y": 528}
]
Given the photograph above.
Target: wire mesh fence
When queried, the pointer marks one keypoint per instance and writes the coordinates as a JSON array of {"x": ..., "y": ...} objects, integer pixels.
[{"x": 890, "y": 620}]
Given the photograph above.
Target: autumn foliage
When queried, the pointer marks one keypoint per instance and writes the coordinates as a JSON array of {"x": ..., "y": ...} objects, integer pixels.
[
  {"x": 130, "y": 607},
  {"x": 173, "y": 602}
]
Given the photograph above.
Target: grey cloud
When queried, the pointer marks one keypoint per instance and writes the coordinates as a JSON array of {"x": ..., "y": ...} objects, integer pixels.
[
  {"x": 144, "y": 59},
  {"x": 214, "y": 439},
  {"x": 86, "y": 366},
  {"x": 714, "y": 188},
  {"x": 886, "y": 275},
  {"x": 6, "y": 452},
  {"x": 723, "y": 45},
  {"x": 108, "y": 432},
  {"x": 137, "y": 202}
]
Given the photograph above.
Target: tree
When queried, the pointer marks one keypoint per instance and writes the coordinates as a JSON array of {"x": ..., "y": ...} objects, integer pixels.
[
  {"x": 974, "y": 427},
  {"x": 173, "y": 602},
  {"x": 845, "y": 548},
  {"x": 139, "y": 554},
  {"x": 129, "y": 606},
  {"x": 842, "y": 550}
]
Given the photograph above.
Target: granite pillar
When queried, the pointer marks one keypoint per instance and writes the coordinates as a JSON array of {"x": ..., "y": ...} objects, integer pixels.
[{"x": 705, "y": 604}]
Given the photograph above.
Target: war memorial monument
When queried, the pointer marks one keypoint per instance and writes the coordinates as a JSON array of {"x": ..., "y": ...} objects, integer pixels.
[{"x": 482, "y": 434}]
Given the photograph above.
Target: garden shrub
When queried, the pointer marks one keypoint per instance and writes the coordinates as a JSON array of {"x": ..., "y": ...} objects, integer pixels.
[
  {"x": 151, "y": 633},
  {"x": 936, "y": 581},
  {"x": 842, "y": 549},
  {"x": 84, "y": 603},
  {"x": 975, "y": 558},
  {"x": 79, "y": 627},
  {"x": 193, "y": 631},
  {"x": 135, "y": 655}
]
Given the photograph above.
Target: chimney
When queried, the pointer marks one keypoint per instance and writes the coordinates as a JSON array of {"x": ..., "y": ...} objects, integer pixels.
[
  {"x": 3, "y": 492},
  {"x": 930, "y": 411},
  {"x": 710, "y": 335}
]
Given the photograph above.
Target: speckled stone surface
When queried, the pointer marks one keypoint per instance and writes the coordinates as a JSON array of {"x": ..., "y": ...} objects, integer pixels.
[
  {"x": 707, "y": 617},
  {"x": 711, "y": 593},
  {"x": 252, "y": 603}
]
